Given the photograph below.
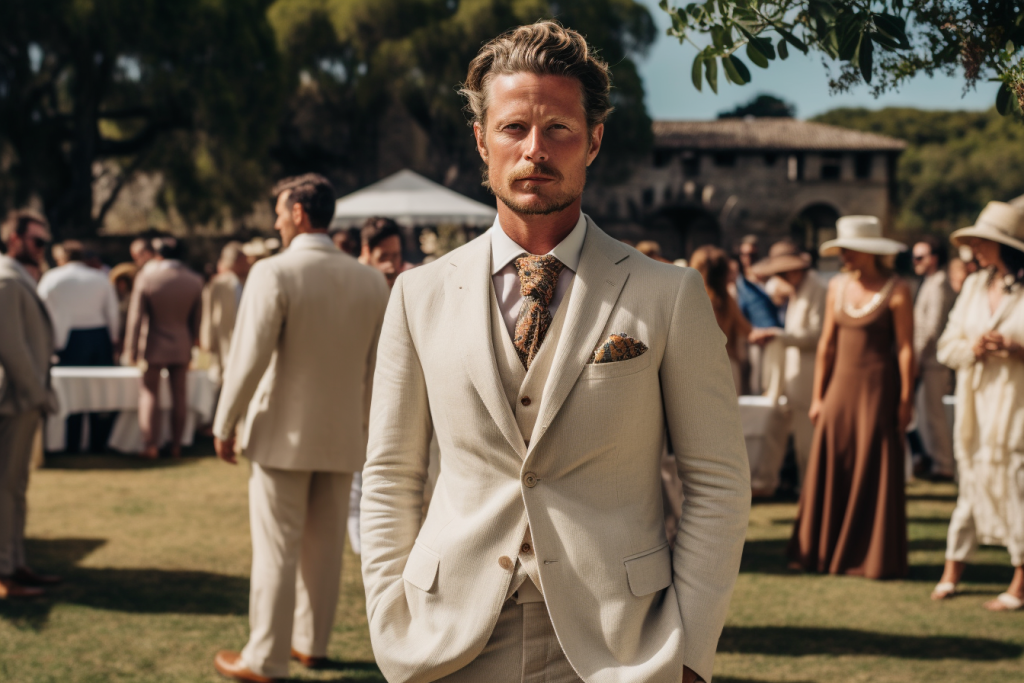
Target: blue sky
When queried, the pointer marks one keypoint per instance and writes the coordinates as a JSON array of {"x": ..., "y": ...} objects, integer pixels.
[{"x": 800, "y": 80}]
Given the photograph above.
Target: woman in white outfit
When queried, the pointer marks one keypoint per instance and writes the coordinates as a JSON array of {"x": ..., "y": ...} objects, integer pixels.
[{"x": 984, "y": 343}]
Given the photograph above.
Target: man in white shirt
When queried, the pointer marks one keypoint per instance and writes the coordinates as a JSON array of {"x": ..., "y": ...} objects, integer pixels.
[{"x": 86, "y": 324}]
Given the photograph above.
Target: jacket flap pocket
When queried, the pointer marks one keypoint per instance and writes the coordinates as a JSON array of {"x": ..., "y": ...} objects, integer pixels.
[
  {"x": 421, "y": 568},
  {"x": 650, "y": 570}
]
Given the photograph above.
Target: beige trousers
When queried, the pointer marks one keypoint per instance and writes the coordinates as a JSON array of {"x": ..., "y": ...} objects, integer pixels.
[
  {"x": 298, "y": 524},
  {"x": 522, "y": 648},
  {"x": 17, "y": 433},
  {"x": 932, "y": 425}
]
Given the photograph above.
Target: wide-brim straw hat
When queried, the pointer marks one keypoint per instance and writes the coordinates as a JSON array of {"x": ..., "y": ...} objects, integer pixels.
[
  {"x": 783, "y": 257},
  {"x": 863, "y": 234},
  {"x": 999, "y": 222},
  {"x": 128, "y": 270}
]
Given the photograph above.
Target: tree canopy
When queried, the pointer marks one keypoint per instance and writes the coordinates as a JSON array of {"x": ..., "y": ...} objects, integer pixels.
[
  {"x": 879, "y": 42},
  {"x": 761, "y": 106},
  {"x": 377, "y": 82},
  {"x": 91, "y": 92}
]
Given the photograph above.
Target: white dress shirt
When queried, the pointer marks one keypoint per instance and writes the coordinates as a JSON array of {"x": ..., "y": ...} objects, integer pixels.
[
  {"x": 79, "y": 298},
  {"x": 504, "y": 252}
]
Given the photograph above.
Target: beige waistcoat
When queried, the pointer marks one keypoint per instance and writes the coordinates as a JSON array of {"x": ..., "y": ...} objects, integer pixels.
[{"x": 523, "y": 390}]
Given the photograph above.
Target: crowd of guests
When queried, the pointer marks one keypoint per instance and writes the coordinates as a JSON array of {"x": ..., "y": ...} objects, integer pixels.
[{"x": 863, "y": 359}]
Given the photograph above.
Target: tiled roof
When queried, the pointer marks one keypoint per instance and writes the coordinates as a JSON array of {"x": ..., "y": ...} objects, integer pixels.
[{"x": 768, "y": 134}]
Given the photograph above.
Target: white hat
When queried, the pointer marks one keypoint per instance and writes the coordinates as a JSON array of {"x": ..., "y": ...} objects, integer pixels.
[
  {"x": 999, "y": 222},
  {"x": 863, "y": 234}
]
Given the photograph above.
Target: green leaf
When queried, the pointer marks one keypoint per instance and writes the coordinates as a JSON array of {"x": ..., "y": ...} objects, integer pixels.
[
  {"x": 716, "y": 37},
  {"x": 864, "y": 58},
  {"x": 1003, "y": 100},
  {"x": 850, "y": 35},
  {"x": 885, "y": 41},
  {"x": 756, "y": 57},
  {"x": 695, "y": 73},
  {"x": 663, "y": 5},
  {"x": 894, "y": 27},
  {"x": 792, "y": 40},
  {"x": 1010, "y": 47},
  {"x": 711, "y": 72},
  {"x": 783, "y": 50},
  {"x": 736, "y": 70}
]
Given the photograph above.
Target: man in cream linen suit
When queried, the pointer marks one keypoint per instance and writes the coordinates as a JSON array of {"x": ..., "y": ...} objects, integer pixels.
[
  {"x": 549, "y": 359},
  {"x": 300, "y": 370}
]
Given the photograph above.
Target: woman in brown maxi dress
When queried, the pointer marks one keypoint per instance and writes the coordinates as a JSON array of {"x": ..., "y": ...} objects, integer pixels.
[{"x": 852, "y": 516}]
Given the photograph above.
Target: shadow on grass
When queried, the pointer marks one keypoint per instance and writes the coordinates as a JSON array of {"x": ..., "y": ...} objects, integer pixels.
[
  {"x": 931, "y": 498},
  {"x": 800, "y": 642},
  {"x": 769, "y": 557},
  {"x": 147, "y": 591},
  {"x": 730, "y": 679},
  {"x": 111, "y": 461}
]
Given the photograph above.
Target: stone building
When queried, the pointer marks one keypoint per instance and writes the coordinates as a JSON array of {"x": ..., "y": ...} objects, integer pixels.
[{"x": 712, "y": 182}]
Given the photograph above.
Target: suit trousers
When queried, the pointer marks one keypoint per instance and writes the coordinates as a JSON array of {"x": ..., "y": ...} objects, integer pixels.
[
  {"x": 17, "y": 433},
  {"x": 522, "y": 648},
  {"x": 150, "y": 423},
  {"x": 932, "y": 424},
  {"x": 298, "y": 524}
]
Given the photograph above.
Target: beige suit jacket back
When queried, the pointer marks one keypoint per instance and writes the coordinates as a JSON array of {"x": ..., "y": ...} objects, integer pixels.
[
  {"x": 934, "y": 301},
  {"x": 26, "y": 343},
  {"x": 301, "y": 360},
  {"x": 164, "y": 314},
  {"x": 626, "y": 606}
]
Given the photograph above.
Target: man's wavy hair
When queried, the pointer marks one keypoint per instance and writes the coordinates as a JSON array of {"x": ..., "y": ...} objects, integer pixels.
[{"x": 545, "y": 48}]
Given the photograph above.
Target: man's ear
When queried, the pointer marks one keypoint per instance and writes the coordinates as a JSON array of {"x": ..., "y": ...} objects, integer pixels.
[
  {"x": 298, "y": 215},
  {"x": 596, "y": 136},
  {"x": 481, "y": 143}
]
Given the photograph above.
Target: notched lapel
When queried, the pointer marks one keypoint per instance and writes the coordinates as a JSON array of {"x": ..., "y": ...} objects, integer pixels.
[
  {"x": 599, "y": 281},
  {"x": 468, "y": 309}
]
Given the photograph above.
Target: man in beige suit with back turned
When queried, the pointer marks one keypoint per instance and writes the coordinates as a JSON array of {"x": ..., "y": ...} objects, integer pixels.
[
  {"x": 300, "y": 371},
  {"x": 550, "y": 360},
  {"x": 220, "y": 306}
]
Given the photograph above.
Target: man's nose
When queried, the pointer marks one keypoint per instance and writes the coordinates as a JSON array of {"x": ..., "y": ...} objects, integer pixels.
[{"x": 536, "y": 150}]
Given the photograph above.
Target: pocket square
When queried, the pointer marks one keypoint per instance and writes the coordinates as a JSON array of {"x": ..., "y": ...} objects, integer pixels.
[{"x": 618, "y": 347}]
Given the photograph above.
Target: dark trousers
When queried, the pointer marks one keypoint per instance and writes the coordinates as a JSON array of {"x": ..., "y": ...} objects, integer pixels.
[{"x": 88, "y": 348}]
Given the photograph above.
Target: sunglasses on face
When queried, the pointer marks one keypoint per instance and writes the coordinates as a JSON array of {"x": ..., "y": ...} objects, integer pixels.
[
  {"x": 918, "y": 258},
  {"x": 39, "y": 242}
]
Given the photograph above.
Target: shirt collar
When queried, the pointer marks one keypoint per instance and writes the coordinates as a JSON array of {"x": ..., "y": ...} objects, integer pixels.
[
  {"x": 311, "y": 239},
  {"x": 504, "y": 249}
]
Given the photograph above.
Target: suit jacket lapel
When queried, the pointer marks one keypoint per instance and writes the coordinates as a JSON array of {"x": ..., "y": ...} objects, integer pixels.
[
  {"x": 468, "y": 291},
  {"x": 598, "y": 282}
]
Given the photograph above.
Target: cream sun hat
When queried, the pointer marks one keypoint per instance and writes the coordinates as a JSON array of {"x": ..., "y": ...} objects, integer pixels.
[
  {"x": 863, "y": 234},
  {"x": 999, "y": 222}
]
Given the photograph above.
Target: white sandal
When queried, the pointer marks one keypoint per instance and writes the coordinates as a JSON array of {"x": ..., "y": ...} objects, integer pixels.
[
  {"x": 944, "y": 590},
  {"x": 1010, "y": 603}
]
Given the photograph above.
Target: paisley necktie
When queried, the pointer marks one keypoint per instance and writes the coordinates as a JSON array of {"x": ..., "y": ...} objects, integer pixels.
[{"x": 538, "y": 276}]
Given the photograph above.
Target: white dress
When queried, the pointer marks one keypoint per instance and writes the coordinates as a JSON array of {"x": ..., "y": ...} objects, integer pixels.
[{"x": 989, "y": 429}]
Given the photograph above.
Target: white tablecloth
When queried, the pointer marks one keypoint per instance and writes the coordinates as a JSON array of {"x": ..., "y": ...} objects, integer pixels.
[{"x": 108, "y": 389}]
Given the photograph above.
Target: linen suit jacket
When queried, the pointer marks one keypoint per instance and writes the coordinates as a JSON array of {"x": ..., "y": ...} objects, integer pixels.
[
  {"x": 625, "y": 605},
  {"x": 220, "y": 309},
  {"x": 931, "y": 312},
  {"x": 804, "y": 319},
  {"x": 164, "y": 314},
  {"x": 300, "y": 368},
  {"x": 26, "y": 343}
]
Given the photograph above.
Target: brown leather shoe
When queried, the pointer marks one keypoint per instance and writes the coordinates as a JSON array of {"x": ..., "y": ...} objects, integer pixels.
[
  {"x": 308, "y": 661},
  {"x": 9, "y": 588},
  {"x": 229, "y": 664},
  {"x": 26, "y": 577}
]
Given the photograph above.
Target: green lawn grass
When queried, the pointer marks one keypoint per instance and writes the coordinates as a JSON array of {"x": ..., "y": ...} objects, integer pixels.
[{"x": 156, "y": 561}]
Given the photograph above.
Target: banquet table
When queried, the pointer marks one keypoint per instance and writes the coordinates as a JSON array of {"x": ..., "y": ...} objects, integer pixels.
[{"x": 109, "y": 389}]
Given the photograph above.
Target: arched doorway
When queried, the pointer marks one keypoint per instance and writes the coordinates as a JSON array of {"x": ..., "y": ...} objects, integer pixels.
[
  {"x": 681, "y": 229},
  {"x": 814, "y": 225}
]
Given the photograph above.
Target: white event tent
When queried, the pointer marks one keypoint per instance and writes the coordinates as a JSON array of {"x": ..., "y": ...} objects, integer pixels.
[{"x": 410, "y": 200}]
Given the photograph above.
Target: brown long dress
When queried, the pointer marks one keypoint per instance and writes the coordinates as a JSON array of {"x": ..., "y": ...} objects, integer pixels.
[{"x": 852, "y": 517}]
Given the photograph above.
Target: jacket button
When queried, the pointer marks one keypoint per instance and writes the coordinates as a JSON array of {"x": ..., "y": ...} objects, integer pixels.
[
  {"x": 525, "y": 548},
  {"x": 525, "y": 400},
  {"x": 505, "y": 562},
  {"x": 530, "y": 479}
]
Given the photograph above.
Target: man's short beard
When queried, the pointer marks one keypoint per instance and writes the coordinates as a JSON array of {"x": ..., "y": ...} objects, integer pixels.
[{"x": 555, "y": 204}]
